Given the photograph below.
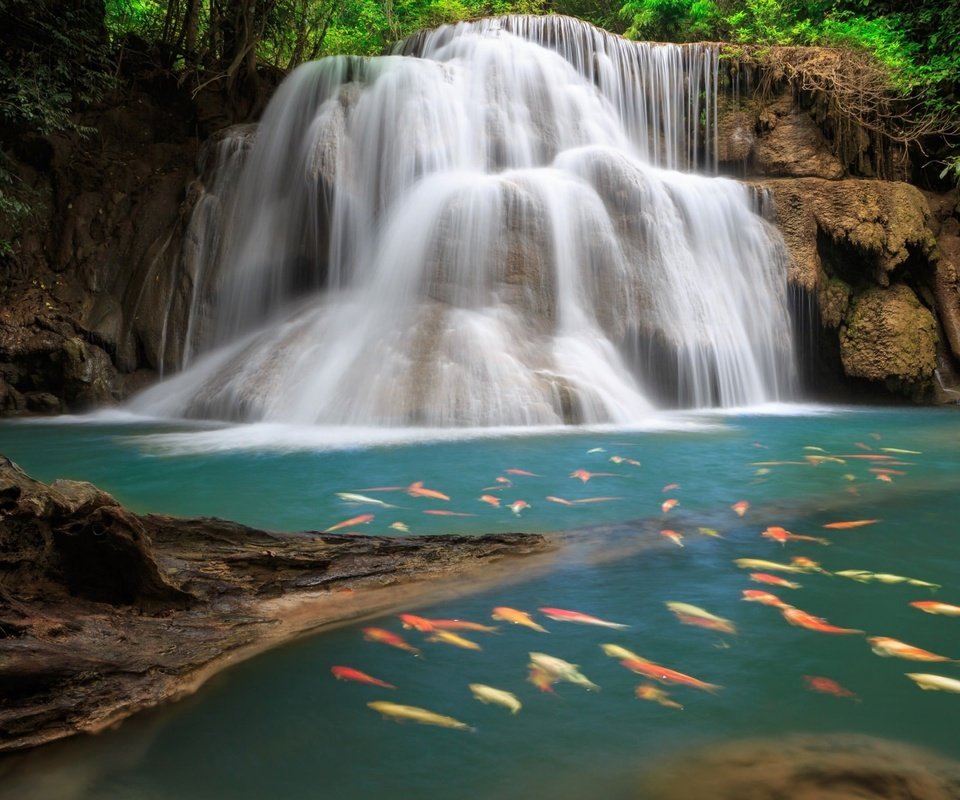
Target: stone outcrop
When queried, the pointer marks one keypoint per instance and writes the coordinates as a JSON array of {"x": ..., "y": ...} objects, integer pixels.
[{"x": 104, "y": 612}]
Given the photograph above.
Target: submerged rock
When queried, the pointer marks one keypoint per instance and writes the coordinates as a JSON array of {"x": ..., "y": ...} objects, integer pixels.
[
  {"x": 806, "y": 767},
  {"x": 104, "y": 612}
]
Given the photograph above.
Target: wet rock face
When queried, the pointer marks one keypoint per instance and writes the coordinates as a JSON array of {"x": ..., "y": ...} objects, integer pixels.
[
  {"x": 806, "y": 767},
  {"x": 889, "y": 336},
  {"x": 792, "y": 146}
]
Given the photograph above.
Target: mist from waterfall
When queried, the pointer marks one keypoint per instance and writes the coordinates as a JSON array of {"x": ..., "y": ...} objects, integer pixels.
[{"x": 489, "y": 227}]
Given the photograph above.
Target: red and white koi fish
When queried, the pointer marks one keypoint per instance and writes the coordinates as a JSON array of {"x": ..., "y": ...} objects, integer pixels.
[
  {"x": 490, "y": 499},
  {"x": 817, "y": 683},
  {"x": 417, "y": 490},
  {"x": 673, "y": 536},
  {"x": 351, "y": 674},
  {"x": 383, "y": 636},
  {"x": 516, "y": 617},
  {"x": 647, "y": 691},
  {"x": 668, "y": 504},
  {"x": 767, "y": 599},
  {"x": 517, "y": 506},
  {"x": 694, "y": 615},
  {"x": 887, "y": 647},
  {"x": 666, "y": 675},
  {"x": 783, "y": 536},
  {"x": 740, "y": 507},
  {"x": 562, "y": 615},
  {"x": 522, "y": 472},
  {"x": 773, "y": 580},
  {"x": 363, "y": 519},
  {"x": 804, "y": 620},
  {"x": 441, "y": 512},
  {"x": 933, "y": 607}
]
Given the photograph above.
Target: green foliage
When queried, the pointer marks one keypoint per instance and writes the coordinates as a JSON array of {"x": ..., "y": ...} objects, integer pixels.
[{"x": 673, "y": 20}]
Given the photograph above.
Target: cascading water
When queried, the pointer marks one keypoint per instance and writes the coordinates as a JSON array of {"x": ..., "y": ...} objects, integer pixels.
[{"x": 486, "y": 228}]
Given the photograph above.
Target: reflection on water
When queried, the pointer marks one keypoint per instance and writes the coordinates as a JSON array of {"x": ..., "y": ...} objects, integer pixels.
[{"x": 281, "y": 725}]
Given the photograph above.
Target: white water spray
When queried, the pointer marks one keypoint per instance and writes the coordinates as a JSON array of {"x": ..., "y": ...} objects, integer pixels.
[{"x": 487, "y": 228}]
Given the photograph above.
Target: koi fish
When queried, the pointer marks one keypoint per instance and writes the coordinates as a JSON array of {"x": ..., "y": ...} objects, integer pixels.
[
  {"x": 504, "y": 483},
  {"x": 673, "y": 536},
  {"x": 804, "y": 620},
  {"x": 442, "y": 512},
  {"x": 596, "y": 450},
  {"x": 400, "y": 526},
  {"x": 559, "y": 500},
  {"x": 489, "y": 498},
  {"x": 773, "y": 580},
  {"x": 647, "y": 691},
  {"x": 421, "y": 624},
  {"x": 767, "y": 599},
  {"x": 584, "y": 476},
  {"x": 854, "y": 523},
  {"x": 941, "y": 683},
  {"x": 461, "y": 625},
  {"x": 540, "y": 678},
  {"x": 562, "y": 670},
  {"x": 670, "y": 487},
  {"x": 889, "y": 648},
  {"x": 363, "y": 519},
  {"x": 351, "y": 674},
  {"x": 620, "y": 653},
  {"x": 517, "y": 506},
  {"x": 417, "y": 490},
  {"x": 885, "y": 478},
  {"x": 668, "y": 504},
  {"x": 883, "y": 471},
  {"x": 562, "y": 615},
  {"x": 740, "y": 507},
  {"x": 783, "y": 536},
  {"x": 901, "y": 452},
  {"x": 933, "y": 607},
  {"x": 665, "y": 675},
  {"x": 400, "y": 713},
  {"x": 694, "y": 615},
  {"x": 586, "y": 500},
  {"x": 621, "y": 460},
  {"x": 448, "y": 637},
  {"x": 812, "y": 447},
  {"x": 488, "y": 694},
  {"x": 522, "y": 472},
  {"x": 759, "y": 563},
  {"x": 710, "y": 532},
  {"x": 350, "y": 497},
  {"x": 864, "y": 576},
  {"x": 515, "y": 617},
  {"x": 384, "y": 636},
  {"x": 807, "y": 564},
  {"x": 817, "y": 683},
  {"x": 815, "y": 460},
  {"x": 863, "y": 446}
]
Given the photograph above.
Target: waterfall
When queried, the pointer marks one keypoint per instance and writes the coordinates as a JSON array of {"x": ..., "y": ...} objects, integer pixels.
[{"x": 497, "y": 224}]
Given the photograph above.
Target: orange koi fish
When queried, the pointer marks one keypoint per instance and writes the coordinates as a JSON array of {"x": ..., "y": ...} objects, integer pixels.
[
  {"x": 783, "y": 536},
  {"x": 673, "y": 536},
  {"x": 522, "y": 472},
  {"x": 740, "y": 507},
  {"x": 887, "y": 647},
  {"x": 666, "y": 675},
  {"x": 804, "y": 620},
  {"x": 515, "y": 617},
  {"x": 363, "y": 519},
  {"x": 807, "y": 564},
  {"x": 817, "y": 683},
  {"x": 444, "y": 513},
  {"x": 767, "y": 599},
  {"x": 933, "y": 607},
  {"x": 489, "y": 498},
  {"x": 417, "y": 490},
  {"x": 670, "y": 487},
  {"x": 584, "y": 476},
  {"x": 647, "y": 691},
  {"x": 384, "y": 636},
  {"x": 885, "y": 478},
  {"x": 559, "y": 500},
  {"x": 517, "y": 506},
  {"x": 541, "y": 678},
  {"x": 668, "y": 504},
  {"x": 562, "y": 615},
  {"x": 421, "y": 624},
  {"x": 351, "y": 674},
  {"x": 773, "y": 580}
]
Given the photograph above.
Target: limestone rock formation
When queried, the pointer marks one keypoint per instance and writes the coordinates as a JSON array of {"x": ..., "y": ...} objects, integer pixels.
[{"x": 791, "y": 145}]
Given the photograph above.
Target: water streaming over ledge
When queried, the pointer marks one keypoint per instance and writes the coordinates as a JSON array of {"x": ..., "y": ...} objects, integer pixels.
[{"x": 488, "y": 227}]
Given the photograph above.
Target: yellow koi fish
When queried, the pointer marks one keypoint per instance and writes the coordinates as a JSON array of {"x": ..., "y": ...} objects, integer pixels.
[
  {"x": 448, "y": 637},
  {"x": 694, "y": 615},
  {"x": 422, "y": 716},
  {"x": 940, "y": 683},
  {"x": 647, "y": 691},
  {"x": 759, "y": 563},
  {"x": 499, "y": 697},
  {"x": 516, "y": 617}
]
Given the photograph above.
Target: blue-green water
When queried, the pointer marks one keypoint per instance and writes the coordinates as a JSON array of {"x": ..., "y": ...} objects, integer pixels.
[{"x": 281, "y": 726}]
